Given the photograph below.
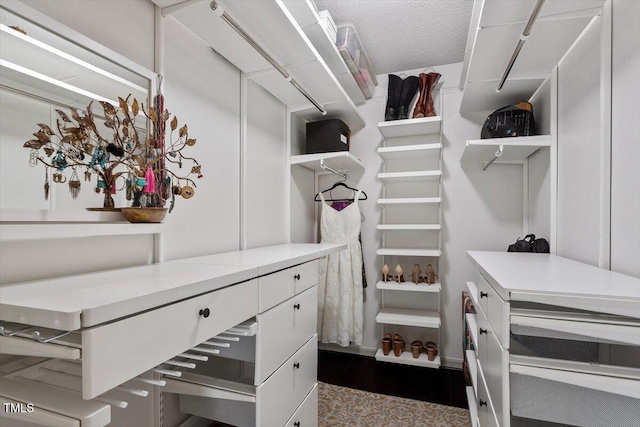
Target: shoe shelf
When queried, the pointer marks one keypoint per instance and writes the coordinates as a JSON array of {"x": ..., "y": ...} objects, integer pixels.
[
  {"x": 413, "y": 176},
  {"x": 514, "y": 150},
  {"x": 410, "y": 201},
  {"x": 409, "y": 151},
  {"x": 406, "y": 358},
  {"x": 409, "y": 226},
  {"x": 409, "y": 252},
  {"x": 410, "y": 127},
  {"x": 409, "y": 317},
  {"x": 409, "y": 287}
]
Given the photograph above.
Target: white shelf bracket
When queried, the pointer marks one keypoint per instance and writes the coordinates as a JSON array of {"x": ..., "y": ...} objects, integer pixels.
[{"x": 332, "y": 170}]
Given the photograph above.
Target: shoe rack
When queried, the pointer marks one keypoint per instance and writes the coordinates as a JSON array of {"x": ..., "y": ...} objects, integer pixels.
[{"x": 410, "y": 227}]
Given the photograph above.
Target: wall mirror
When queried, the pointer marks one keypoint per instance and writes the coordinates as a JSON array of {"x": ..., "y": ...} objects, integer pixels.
[{"x": 46, "y": 66}]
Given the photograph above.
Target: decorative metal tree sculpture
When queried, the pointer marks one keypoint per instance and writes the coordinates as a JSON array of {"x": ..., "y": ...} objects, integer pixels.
[{"x": 76, "y": 143}]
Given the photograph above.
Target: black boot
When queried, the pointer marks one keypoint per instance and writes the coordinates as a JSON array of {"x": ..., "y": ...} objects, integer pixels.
[
  {"x": 409, "y": 89},
  {"x": 393, "y": 97}
]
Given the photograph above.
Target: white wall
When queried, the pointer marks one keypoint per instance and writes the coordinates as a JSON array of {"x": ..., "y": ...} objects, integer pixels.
[
  {"x": 625, "y": 138},
  {"x": 580, "y": 150},
  {"x": 481, "y": 210}
]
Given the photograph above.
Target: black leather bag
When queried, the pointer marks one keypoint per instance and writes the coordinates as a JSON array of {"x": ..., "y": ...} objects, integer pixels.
[{"x": 530, "y": 244}]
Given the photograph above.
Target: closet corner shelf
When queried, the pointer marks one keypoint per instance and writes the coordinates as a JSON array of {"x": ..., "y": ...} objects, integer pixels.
[
  {"x": 514, "y": 149},
  {"x": 409, "y": 287},
  {"x": 410, "y": 127},
  {"x": 409, "y": 317},
  {"x": 409, "y": 151},
  {"x": 406, "y": 358},
  {"x": 342, "y": 161},
  {"x": 409, "y": 227},
  {"x": 413, "y": 176},
  {"x": 410, "y": 252},
  {"x": 411, "y": 201},
  {"x": 43, "y": 230}
]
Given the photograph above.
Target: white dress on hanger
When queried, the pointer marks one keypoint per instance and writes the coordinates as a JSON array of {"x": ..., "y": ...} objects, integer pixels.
[{"x": 340, "y": 298}]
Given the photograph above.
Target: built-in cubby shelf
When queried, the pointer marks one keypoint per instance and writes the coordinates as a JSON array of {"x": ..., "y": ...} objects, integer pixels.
[
  {"x": 410, "y": 252},
  {"x": 409, "y": 287},
  {"x": 412, "y": 176},
  {"x": 406, "y": 358},
  {"x": 342, "y": 161},
  {"x": 409, "y": 151},
  {"x": 514, "y": 150},
  {"x": 410, "y": 127},
  {"x": 409, "y": 227},
  {"x": 410, "y": 201},
  {"x": 409, "y": 317}
]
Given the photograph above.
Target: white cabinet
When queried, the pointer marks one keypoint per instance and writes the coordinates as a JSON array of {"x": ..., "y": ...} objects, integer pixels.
[
  {"x": 240, "y": 332},
  {"x": 553, "y": 362},
  {"x": 412, "y": 154}
]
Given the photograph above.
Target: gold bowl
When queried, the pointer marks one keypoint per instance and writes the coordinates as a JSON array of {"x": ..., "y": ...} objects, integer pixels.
[{"x": 154, "y": 215}]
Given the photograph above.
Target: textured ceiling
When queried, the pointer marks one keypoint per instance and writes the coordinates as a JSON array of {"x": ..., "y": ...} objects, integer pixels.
[{"x": 406, "y": 34}]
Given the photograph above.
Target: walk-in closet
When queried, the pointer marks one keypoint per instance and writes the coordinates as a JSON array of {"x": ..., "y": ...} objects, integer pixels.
[{"x": 319, "y": 213}]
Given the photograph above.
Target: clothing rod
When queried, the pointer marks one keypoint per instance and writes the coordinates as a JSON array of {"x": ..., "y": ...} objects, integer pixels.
[
  {"x": 523, "y": 38},
  {"x": 238, "y": 29}
]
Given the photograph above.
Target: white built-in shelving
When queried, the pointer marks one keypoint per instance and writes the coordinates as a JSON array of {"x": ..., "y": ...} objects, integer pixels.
[
  {"x": 342, "y": 161},
  {"x": 513, "y": 150},
  {"x": 406, "y": 358},
  {"x": 409, "y": 286},
  {"x": 410, "y": 252},
  {"x": 410, "y": 127},
  {"x": 412, "y": 176},
  {"x": 426, "y": 135},
  {"x": 409, "y": 227},
  {"x": 409, "y": 317},
  {"x": 410, "y": 201}
]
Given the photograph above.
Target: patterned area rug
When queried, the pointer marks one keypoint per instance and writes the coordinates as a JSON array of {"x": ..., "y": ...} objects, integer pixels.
[{"x": 346, "y": 407}]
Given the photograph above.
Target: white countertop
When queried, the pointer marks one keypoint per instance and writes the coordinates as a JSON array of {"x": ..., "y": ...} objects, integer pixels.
[
  {"x": 526, "y": 276},
  {"x": 74, "y": 302}
]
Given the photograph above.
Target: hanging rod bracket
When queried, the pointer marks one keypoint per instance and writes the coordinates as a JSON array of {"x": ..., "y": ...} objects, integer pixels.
[
  {"x": 343, "y": 175},
  {"x": 495, "y": 157}
]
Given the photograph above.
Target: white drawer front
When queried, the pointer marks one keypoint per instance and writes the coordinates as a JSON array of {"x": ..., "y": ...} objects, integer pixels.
[
  {"x": 117, "y": 352},
  {"x": 278, "y": 398},
  {"x": 486, "y": 415},
  {"x": 495, "y": 309},
  {"x": 282, "y": 285},
  {"x": 307, "y": 414},
  {"x": 495, "y": 366},
  {"x": 283, "y": 330}
]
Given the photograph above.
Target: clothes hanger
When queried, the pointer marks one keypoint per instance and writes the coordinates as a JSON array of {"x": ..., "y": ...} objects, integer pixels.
[{"x": 363, "y": 195}]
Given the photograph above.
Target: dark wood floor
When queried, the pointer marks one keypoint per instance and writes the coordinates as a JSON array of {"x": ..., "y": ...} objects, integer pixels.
[{"x": 442, "y": 386}]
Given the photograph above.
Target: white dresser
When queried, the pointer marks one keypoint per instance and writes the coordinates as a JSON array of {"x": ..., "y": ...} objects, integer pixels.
[
  {"x": 233, "y": 334},
  {"x": 556, "y": 341}
]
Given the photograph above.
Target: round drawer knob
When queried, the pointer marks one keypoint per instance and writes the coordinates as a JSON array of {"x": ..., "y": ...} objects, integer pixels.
[
  {"x": 296, "y": 306},
  {"x": 297, "y": 277},
  {"x": 483, "y": 331},
  {"x": 204, "y": 312},
  {"x": 483, "y": 402},
  {"x": 296, "y": 365},
  {"x": 296, "y": 424},
  {"x": 484, "y": 294}
]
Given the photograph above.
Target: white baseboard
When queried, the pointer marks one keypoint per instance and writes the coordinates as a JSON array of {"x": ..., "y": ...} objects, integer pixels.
[{"x": 447, "y": 362}]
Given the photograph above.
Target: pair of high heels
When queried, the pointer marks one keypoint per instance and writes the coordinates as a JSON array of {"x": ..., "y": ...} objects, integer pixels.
[
  {"x": 429, "y": 277},
  {"x": 430, "y": 348},
  {"x": 394, "y": 342}
]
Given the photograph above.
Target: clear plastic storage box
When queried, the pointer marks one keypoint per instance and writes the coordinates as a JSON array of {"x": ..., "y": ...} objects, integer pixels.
[{"x": 353, "y": 53}]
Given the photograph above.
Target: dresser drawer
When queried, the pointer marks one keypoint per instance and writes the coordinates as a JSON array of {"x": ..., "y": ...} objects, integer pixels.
[
  {"x": 282, "y": 285},
  {"x": 307, "y": 414},
  {"x": 283, "y": 330},
  {"x": 495, "y": 309},
  {"x": 495, "y": 364},
  {"x": 116, "y": 352},
  {"x": 268, "y": 405},
  {"x": 486, "y": 415}
]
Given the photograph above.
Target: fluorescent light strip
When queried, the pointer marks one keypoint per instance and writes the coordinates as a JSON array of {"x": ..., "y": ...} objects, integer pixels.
[
  {"x": 71, "y": 58},
  {"x": 55, "y": 82}
]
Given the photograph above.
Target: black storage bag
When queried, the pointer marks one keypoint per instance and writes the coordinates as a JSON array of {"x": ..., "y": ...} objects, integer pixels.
[
  {"x": 530, "y": 244},
  {"x": 510, "y": 121}
]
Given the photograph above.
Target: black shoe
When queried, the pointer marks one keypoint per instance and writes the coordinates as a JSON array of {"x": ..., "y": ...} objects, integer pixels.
[
  {"x": 408, "y": 92},
  {"x": 393, "y": 97}
]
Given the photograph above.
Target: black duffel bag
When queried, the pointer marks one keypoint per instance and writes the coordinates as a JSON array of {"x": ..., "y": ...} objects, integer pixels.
[{"x": 530, "y": 244}]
